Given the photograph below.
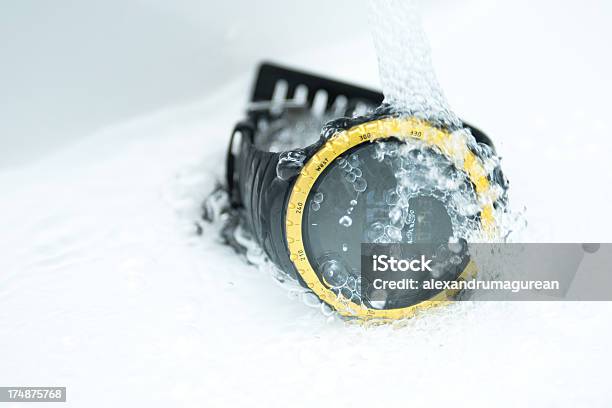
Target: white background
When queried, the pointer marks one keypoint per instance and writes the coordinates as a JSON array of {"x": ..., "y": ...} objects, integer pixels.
[{"x": 114, "y": 117}]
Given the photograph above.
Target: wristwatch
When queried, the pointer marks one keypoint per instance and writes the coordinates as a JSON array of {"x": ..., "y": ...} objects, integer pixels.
[{"x": 319, "y": 167}]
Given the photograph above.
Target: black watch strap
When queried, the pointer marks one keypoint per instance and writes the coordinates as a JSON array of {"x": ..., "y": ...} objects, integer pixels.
[
  {"x": 252, "y": 180},
  {"x": 268, "y": 77}
]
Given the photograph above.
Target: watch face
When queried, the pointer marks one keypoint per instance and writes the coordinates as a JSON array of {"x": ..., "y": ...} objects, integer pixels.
[
  {"x": 390, "y": 180},
  {"x": 386, "y": 191}
]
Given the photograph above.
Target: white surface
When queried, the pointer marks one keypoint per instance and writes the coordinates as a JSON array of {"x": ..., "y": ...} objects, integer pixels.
[
  {"x": 72, "y": 67},
  {"x": 105, "y": 288}
]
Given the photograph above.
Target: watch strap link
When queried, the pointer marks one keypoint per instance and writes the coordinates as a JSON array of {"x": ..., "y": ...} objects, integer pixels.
[{"x": 269, "y": 75}]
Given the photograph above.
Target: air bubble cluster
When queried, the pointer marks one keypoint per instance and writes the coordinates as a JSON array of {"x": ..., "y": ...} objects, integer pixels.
[
  {"x": 422, "y": 171},
  {"x": 353, "y": 173},
  {"x": 317, "y": 199},
  {"x": 341, "y": 280}
]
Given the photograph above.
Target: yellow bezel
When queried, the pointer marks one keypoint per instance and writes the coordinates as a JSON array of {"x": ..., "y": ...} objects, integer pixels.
[{"x": 451, "y": 145}]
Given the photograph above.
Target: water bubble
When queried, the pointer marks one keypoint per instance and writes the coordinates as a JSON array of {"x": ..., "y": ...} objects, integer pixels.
[
  {"x": 318, "y": 198},
  {"x": 455, "y": 259},
  {"x": 391, "y": 197},
  {"x": 351, "y": 283},
  {"x": 344, "y": 247},
  {"x": 315, "y": 206},
  {"x": 360, "y": 185},
  {"x": 334, "y": 273},
  {"x": 437, "y": 270},
  {"x": 378, "y": 298},
  {"x": 395, "y": 215},
  {"x": 455, "y": 247},
  {"x": 375, "y": 231},
  {"x": 393, "y": 233},
  {"x": 353, "y": 203},
  {"x": 346, "y": 292},
  {"x": 345, "y": 221},
  {"x": 350, "y": 177}
]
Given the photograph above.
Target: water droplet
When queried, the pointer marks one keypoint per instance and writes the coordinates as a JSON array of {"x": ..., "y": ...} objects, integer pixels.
[
  {"x": 353, "y": 203},
  {"x": 318, "y": 198},
  {"x": 315, "y": 206},
  {"x": 344, "y": 247},
  {"x": 289, "y": 164}
]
